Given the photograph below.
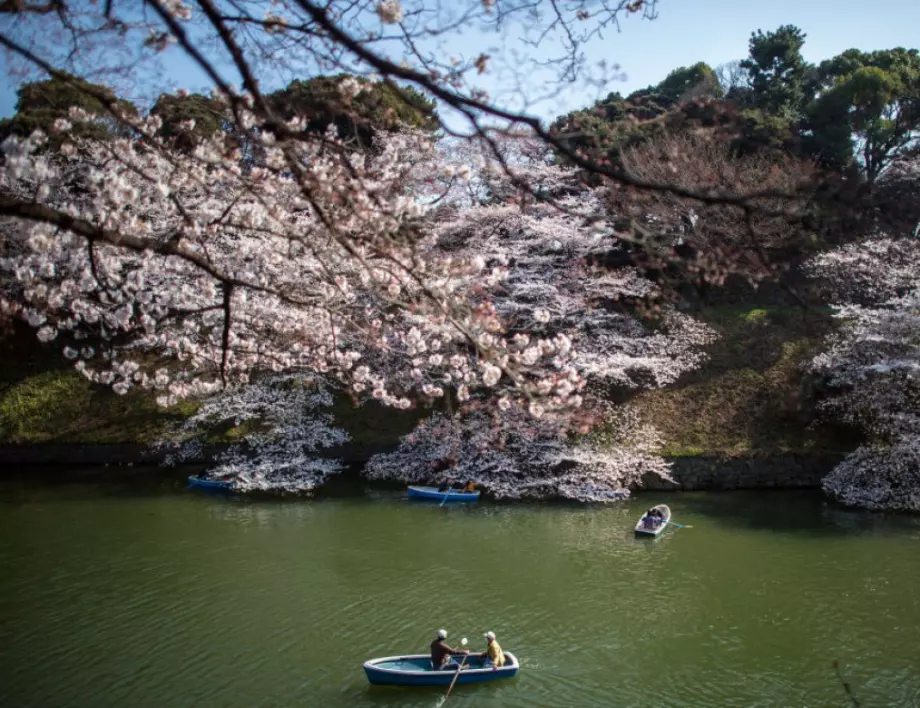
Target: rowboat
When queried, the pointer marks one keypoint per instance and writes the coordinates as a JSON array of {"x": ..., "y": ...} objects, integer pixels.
[
  {"x": 432, "y": 494},
  {"x": 643, "y": 530},
  {"x": 416, "y": 670},
  {"x": 195, "y": 481}
]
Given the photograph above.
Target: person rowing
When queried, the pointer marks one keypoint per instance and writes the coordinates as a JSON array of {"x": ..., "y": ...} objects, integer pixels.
[{"x": 441, "y": 652}]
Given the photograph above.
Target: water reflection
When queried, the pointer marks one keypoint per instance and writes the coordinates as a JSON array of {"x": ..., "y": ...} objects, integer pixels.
[
  {"x": 236, "y": 508},
  {"x": 174, "y": 598},
  {"x": 786, "y": 512}
]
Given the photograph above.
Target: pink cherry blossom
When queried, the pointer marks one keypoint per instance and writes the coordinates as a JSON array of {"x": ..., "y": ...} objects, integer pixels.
[{"x": 872, "y": 361}]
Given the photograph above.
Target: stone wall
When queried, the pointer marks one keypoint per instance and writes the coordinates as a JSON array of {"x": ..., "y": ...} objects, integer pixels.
[
  {"x": 85, "y": 455},
  {"x": 718, "y": 473},
  {"x": 92, "y": 455},
  {"x": 691, "y": 473}
]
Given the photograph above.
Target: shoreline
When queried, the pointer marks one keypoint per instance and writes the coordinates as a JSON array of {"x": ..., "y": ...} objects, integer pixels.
[{"x": 691, "y": 473}]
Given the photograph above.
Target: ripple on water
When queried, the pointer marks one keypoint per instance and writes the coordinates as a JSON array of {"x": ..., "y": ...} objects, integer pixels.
[{"x": 189, "y": 601}]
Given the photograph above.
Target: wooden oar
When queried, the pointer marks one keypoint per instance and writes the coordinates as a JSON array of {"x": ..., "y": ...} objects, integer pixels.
[
  {"x": 445, "y": 498},
  {"x": 459, "y": 669},
  {"x": 456, "y": 676},
  {"x": 680, "y": 526}
]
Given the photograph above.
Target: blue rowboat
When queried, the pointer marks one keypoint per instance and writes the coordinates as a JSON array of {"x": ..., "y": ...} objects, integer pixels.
[
  {"x": 432, "y": 494},
  {"x": 416, "y": 670},
  {"x": 194, "y": 481}
]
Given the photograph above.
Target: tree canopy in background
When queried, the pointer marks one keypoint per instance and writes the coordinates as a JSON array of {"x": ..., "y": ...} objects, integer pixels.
[
  {"x": 187, "y": 118},
  {"x": 681, "y": 101},
  {"x": 856, "y": 111},
  {"x": 777, "y": 71},
  {"x": 368, "y": 109},
  {"x": 40, "y": 103},
  {"x": 866, "y": 109},
  {"x": 364, "y": 108}
]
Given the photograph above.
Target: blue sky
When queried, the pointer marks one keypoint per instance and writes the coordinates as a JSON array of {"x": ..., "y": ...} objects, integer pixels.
[
  {"x": 716, "y": 31},
  {"x": 686, "y": 31}
]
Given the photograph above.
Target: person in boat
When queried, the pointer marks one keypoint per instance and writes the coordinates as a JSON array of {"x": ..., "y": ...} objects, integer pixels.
[
  {"x": 441, "y": 651},
  {"x": 653, "y": 518},
  {"x": 469, "y": 487},
  {"x": 493, "y": 651},
  {"x": 445, "y": 487}
]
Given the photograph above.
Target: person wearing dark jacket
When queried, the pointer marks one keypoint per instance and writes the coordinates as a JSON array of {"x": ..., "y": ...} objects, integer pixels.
[{"x": 441, "y": 651}]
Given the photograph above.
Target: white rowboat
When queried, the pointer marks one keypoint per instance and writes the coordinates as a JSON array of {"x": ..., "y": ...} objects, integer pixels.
[{"x": 648, "y": 529}]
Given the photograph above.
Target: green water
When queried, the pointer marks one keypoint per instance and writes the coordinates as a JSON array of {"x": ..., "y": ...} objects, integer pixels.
[{"x": 173, "y": 598}]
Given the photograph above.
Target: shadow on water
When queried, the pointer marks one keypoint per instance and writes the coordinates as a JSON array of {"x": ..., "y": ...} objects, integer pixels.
[
  {"x": 191, "y": 597},
  {"x": 434, "y": 696},
  {"x": 63, "y": 483},
  {"x": 777, "y": 511},
  {"x": 31, "y": 484}
]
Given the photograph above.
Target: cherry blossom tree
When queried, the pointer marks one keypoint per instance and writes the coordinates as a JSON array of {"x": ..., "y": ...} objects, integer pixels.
[
  {"x": 244, "y": 50},
  {"x": 225, "y": 270},
  {"x": 414, "y": 270},
  {"x": 514, "y": 457},
  {"x": 549, "y": 239},
  {"x": 290, "y": 425},
  {"x": 222, "y": 271},
  {"x": 895, "y": 194},
  {"x": 195, "y": 271},
  {"x": 401, "y": 278},
  {"x": 873, "y": 360}
]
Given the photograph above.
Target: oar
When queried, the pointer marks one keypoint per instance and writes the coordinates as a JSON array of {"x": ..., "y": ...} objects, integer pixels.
[
  {"x": 680, "y": 526},
  {"x": 459, "y": 669},
  {"x": 445, "y": 498}
]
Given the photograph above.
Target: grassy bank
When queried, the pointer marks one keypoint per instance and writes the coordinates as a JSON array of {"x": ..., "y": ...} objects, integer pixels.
[
  {"x": 44, "y": 400},
  {"x": 753, "y": 396}
]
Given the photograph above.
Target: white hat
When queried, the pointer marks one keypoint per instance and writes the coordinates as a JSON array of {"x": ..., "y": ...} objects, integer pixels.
[
  {"x": 442, "y": 634},
  {"x": 489, "y": 635}
]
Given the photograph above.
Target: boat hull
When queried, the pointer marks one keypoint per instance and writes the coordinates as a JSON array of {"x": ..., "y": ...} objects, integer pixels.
[
  {"x": 432, "y": 494},
  {"x": 415, "y": 670},
  {"x": 641, "y": 530},
  {"x": 194, "y": 481}
]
